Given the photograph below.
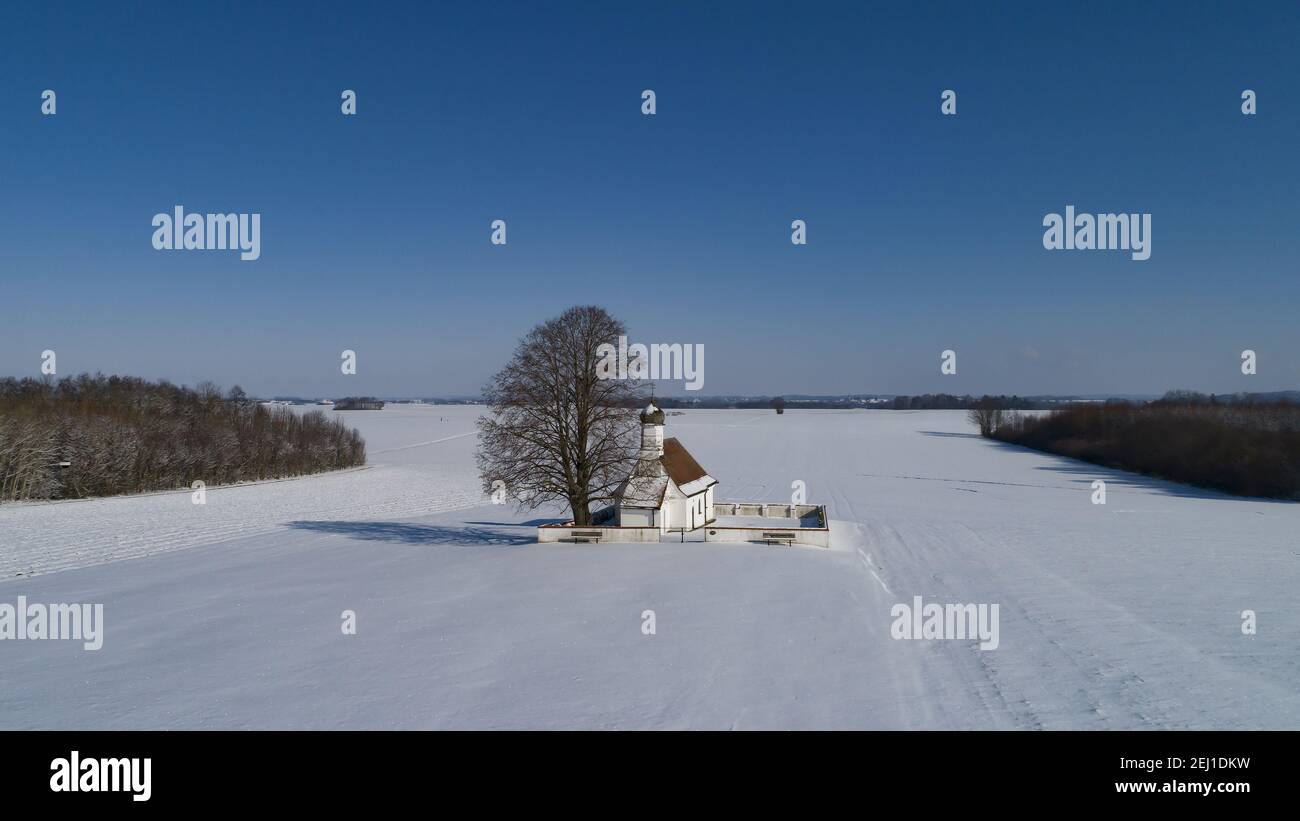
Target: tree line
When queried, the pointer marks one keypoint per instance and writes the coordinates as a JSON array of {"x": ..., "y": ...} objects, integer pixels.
[
  {"x": 104, "y": 435},
  {"x": 948, "y": 401},
  {"x": 1244, "y": 447},
  {"x": 929, "y": 401}
]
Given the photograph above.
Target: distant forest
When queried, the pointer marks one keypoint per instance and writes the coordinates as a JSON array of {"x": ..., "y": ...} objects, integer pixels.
[
  {"x": 1238, "y": 444},
  {"x": 947, "y": 401},
  {"x": 358, "y": 403},
  {"x": 104, "y": 435},
  {"x": 929, "y": 401}
]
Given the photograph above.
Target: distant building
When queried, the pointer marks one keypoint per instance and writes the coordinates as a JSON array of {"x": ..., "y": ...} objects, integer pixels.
[
  {"x": 667, "y": 488},
  {"x": 359, "y": 403}
]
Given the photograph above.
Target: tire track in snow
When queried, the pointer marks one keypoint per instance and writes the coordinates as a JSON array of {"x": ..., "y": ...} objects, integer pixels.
[{"x": 423, "y": 444}]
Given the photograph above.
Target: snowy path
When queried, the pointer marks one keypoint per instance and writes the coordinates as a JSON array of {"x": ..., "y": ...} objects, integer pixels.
[{"x": 1124, "y": 615}]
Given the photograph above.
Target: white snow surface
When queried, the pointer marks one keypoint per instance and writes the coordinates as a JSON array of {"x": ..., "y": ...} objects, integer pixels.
[{"x": 227, "y": 615}]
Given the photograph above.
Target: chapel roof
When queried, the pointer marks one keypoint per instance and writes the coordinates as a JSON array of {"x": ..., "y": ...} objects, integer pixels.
[{"x": 679, "y": 464}]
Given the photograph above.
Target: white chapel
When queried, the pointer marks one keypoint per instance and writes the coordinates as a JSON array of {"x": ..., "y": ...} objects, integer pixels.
[{"x": 667, "y": 489}]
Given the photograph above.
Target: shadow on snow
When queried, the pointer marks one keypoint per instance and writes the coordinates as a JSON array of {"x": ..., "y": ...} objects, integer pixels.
[{"x": 406, "y": 533}]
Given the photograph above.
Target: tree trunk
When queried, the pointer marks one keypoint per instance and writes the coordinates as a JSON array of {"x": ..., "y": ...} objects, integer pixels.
[{"x": 581, "y": 510}]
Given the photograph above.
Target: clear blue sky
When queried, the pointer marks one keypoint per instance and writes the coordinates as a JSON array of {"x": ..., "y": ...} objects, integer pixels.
[{"x": 924, "y": 231}]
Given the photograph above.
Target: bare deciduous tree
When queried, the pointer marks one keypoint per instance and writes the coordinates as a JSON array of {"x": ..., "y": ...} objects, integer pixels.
[
  {"x": 556, "y": 431},
  {"x": 987, "y": 416}
]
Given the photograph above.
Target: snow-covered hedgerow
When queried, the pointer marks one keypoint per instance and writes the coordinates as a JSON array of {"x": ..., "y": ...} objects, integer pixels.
[
  {"x": 100, "y": 436},
  {"x": 1246, "y": 448}
]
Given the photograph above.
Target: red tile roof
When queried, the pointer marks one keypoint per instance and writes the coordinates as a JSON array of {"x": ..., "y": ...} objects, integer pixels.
[{"x": 679, "y": 464}]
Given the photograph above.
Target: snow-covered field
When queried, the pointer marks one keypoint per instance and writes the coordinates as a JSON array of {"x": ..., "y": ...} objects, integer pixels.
[
  {"x": 420, "y": 460},
  {"x": 1123, "y": 615}
]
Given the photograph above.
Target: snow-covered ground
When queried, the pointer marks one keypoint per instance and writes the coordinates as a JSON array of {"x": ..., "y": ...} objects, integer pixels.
[{"x": 1123, "y": 615}]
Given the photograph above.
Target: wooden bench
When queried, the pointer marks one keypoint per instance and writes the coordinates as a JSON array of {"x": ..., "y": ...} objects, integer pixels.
[
  {"x": 780, "y": 538},
  {"x": 586, "y": 536}
]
